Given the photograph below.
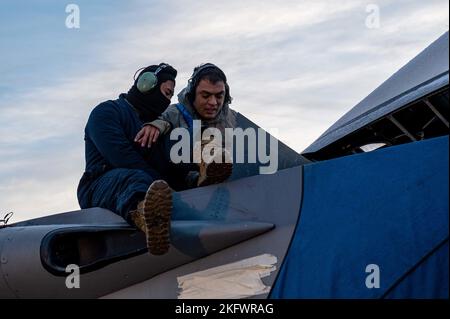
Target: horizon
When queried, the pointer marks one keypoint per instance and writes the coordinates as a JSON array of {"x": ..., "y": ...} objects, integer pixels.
[{"x": 313, "y": 60}]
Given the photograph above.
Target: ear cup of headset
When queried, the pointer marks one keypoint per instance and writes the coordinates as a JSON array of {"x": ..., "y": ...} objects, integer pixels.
[
  {"x": 146, "y": 82},
  {"x": 189, "y": 86}
]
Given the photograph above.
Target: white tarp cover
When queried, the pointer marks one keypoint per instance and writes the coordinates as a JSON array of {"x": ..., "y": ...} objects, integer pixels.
[{"x": 240, "y": 279}]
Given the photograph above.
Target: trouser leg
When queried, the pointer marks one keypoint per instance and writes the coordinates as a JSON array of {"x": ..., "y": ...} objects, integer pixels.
[{"x": 120, "y": 190}]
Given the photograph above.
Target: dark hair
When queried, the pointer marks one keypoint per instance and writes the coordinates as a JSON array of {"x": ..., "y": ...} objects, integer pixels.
[{"x": 211, "y": 73}]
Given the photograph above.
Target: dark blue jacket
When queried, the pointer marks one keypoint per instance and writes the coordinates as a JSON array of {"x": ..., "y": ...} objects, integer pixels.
[
  {"x": 109, "y": 137},
  {"x": 109, "y": 143}
]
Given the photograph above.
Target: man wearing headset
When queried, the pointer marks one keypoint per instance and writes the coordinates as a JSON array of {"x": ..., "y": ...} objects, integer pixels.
[
  {"x": 206, "y": 98},
  {"x": 120, "y": 175}
]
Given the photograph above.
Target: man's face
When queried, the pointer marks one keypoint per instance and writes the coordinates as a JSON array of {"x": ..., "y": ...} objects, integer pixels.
[
  {"x": 167, "y": 88},
  {"x": 209, "y": 98}
]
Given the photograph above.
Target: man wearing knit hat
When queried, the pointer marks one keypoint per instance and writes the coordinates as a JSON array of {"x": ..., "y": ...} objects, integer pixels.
[
  {"x": 205, "y": 98},
  {"x": 118, "y": 174}
]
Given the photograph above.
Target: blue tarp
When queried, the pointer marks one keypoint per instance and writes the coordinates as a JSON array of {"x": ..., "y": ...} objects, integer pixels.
[{"x": 387, "y": 208}]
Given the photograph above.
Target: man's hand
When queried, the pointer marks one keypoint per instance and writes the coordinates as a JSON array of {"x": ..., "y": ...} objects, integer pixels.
[{"x": 147, "y": 135}]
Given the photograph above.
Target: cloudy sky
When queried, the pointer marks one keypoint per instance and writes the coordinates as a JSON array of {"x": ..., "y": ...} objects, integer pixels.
[{"x": 292, "y": 65}]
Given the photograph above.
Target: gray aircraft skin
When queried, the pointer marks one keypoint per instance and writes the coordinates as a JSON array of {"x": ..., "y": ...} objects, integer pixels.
[
  {"x": 249, "y": 215},
  {"x": 412, "y": 105}
]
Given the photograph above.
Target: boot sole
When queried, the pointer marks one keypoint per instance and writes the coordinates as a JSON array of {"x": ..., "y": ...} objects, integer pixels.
[
  {"x": 217, "y": 173},
  {"x": 157, "y": 212}
]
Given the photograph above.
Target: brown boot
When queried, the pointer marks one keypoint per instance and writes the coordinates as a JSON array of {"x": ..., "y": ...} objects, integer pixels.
[
  {"x": 217, "y": 170},
  {"x": 153, "y": 217}
]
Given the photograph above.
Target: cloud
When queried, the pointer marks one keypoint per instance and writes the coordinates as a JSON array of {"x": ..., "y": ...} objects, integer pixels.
[
  {"x": 293, "y": 65},
  {"x": 41, "y": 142}
]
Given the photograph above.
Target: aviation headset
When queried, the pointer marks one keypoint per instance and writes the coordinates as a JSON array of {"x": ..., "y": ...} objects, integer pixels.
[
  {"x": 148, "y": 80},
  {"x": 193, "y": 81}
]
